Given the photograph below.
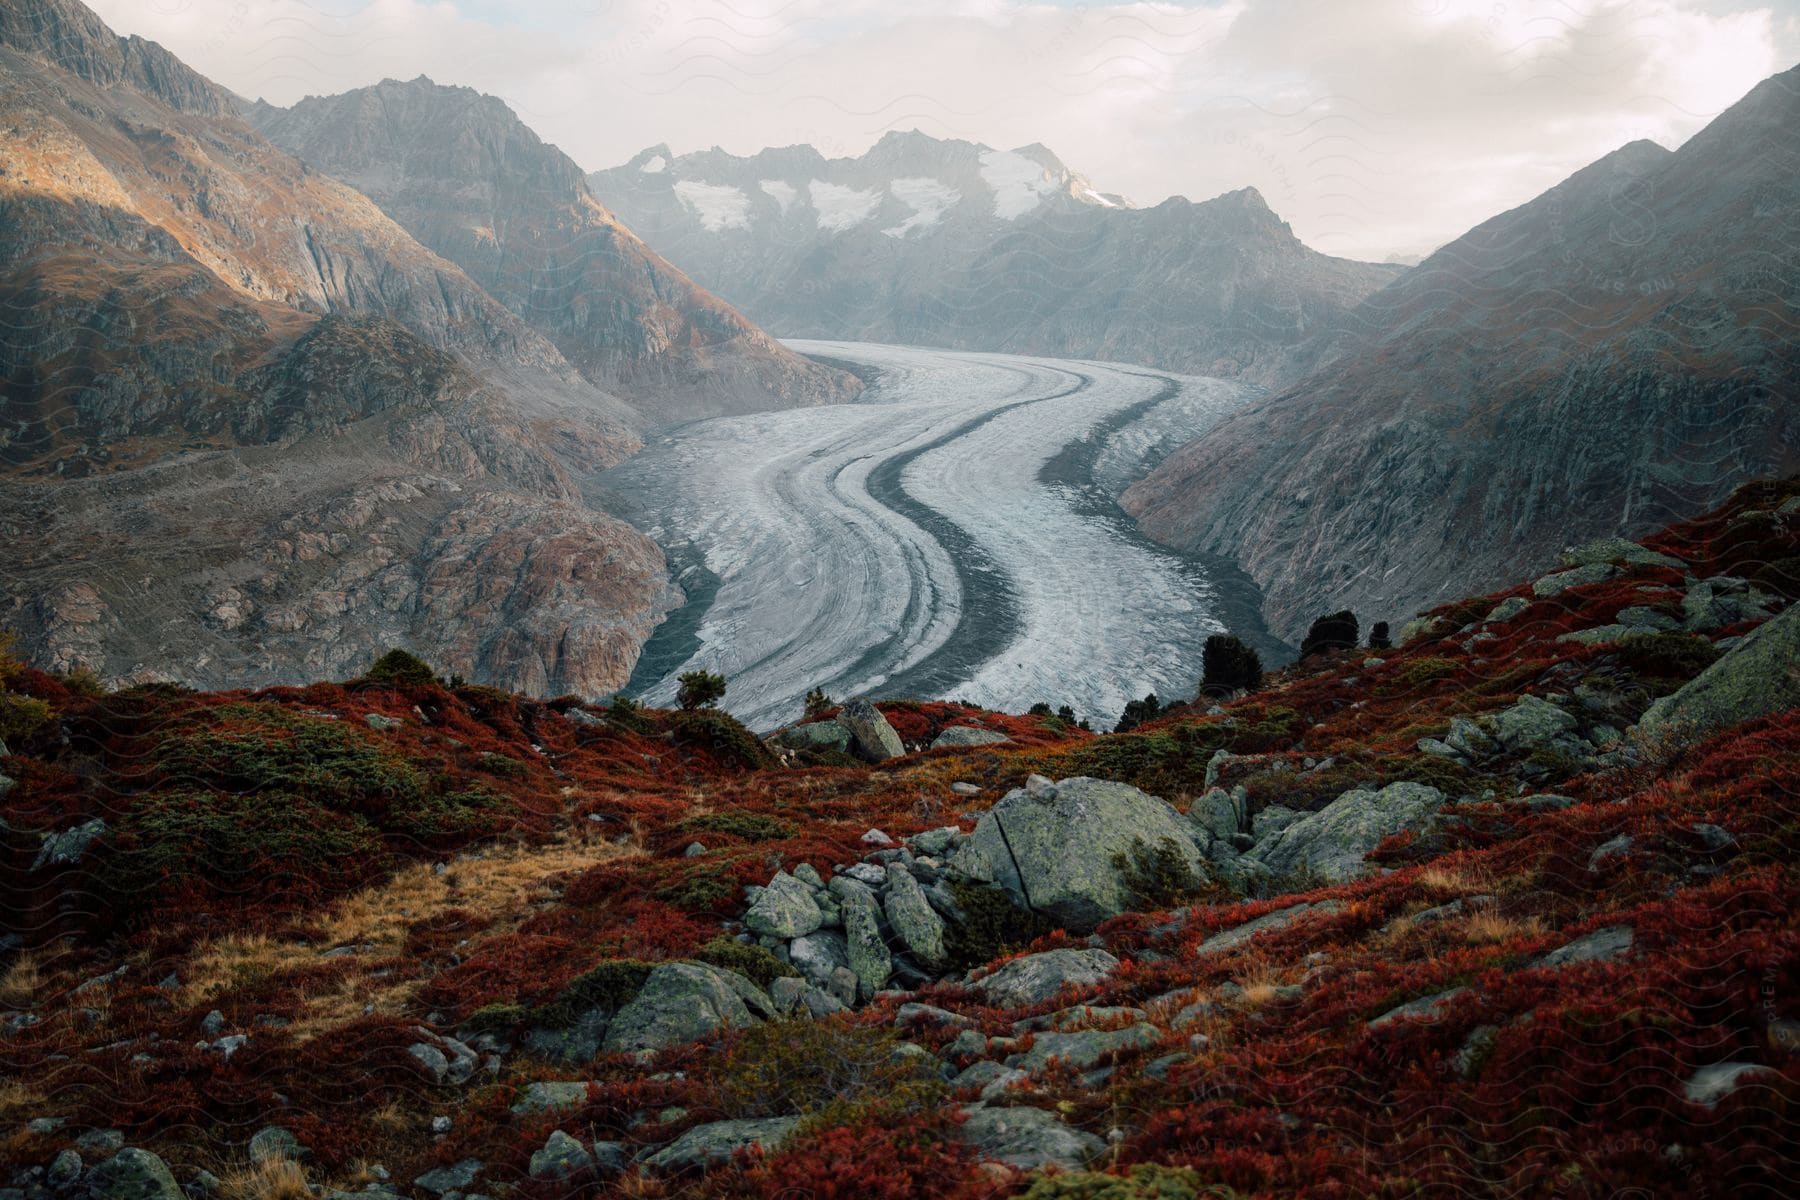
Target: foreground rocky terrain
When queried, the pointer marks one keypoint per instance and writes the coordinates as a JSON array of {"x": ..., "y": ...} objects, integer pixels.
[
  {"x": 925, "y": 241},
  {"x": 1504, "y": 909},
  {"x": 252, "y": 431},
  {"x": 1618, "y": 351}
]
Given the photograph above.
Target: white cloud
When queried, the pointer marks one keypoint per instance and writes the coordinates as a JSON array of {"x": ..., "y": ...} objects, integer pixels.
[{"x": 1374, "y": 127}]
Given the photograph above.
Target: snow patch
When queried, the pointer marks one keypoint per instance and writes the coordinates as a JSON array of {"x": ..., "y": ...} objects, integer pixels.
[
  {"x": 1019, "y": 184},
  {"x": 1084, "y": 192},
  {"x": 928, "y": 198},
  {"x": 782, "y": 193},
  {"x": 718, "y": 205},
  {"x": 841, "y": 207},
  {"x": 654, "y": 166}
]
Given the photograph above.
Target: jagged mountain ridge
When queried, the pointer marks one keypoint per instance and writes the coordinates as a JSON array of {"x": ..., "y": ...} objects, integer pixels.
[
  {"x": 950, "y": 243},
  {"x": 1620, "y": 348},
  {"x": 253, "y": 429},
  {"x": 465, "y": 176}
]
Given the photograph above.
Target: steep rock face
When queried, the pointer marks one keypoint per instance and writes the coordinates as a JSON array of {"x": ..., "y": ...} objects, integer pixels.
[
  {"x": 466, "y": 177},
  {"x": 253, "y": 430},
  {"x": 949, "y": 243},
  {"x": 1619, "y": 348}
]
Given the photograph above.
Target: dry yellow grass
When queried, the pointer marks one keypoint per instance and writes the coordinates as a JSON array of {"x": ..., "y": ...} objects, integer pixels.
[
  {"x": 270, "y": 1179},
  {"x": 503, "y": 885},
  {"x": 1486, "y": 926},
  {"x": 19, "y": 985},
  {"x": 1260, "y": 983}
]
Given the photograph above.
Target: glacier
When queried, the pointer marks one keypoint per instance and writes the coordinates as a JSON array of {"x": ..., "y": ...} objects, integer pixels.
[{"x": 949, "y": 535}]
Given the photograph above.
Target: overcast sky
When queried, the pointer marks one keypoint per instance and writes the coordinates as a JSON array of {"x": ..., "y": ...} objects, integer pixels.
[{"x": 1375, "y": 126}]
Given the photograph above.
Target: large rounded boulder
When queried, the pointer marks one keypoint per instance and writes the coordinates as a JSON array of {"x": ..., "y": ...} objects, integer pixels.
[{"x": 1070, "y": 850}]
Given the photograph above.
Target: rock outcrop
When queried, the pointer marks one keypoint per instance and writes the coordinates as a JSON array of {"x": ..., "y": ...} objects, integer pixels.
[{"x": 1758, "y": 676}]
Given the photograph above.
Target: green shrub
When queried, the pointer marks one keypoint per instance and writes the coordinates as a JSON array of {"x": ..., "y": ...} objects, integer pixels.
[
  {"x": 818, "y": 704},
  {"x": 1227, "y": 666},
  {"x": 268, "y": 842},
  {"x": 724, "y": 735},
  {"x": 1662, "y": 662},
  {"x": 1163, "y": 762},
  {"x": 992, "y": 925},
  {"x": 697, "y": 892},
  {"x": 1380, "y": 638},
  {"x": 790, "y": 1068},
  {"x": 1137, "y": 712},
  {"x": 397, "y": 668},
  {"x": 1158, "y": 877},
  {"x": 753, "y": 962},
  {"x": 263, "y": 748},
  {"x": 627, "y": 713},
  {"x": 752, "y": 827},
  {"x": 700, "y": 689},
  {"x": 22, "y": 716},
  {"x": 1334, "y": 631},
  {"x": 502, "y": 764},
  {"x": 608, "y": 986}
]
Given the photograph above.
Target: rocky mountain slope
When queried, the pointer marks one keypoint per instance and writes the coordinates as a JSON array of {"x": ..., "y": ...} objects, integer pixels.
[
  {"x": 466, "y": 177},
  {"x": 252, "y": 430},
  {"x": 1504, "y": 910},
  {"x": 948, "y": 243},
  {"x": 1619, "y": 349}
]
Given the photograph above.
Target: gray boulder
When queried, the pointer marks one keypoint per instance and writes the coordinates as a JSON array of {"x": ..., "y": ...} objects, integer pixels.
[
  {"x": 683, "y": 1002},
  {"x": 1562, "y": 581},
  {"x": 1037, "y": 977},
  {"x": 454, "y": 1178},
  {"x": 1058, "y": 850},
  {"x": 784, "y": 909},
  {"x": 817, "y": 955},
  {"x": 914, "y": 921},
  {"x": 273, "y": 1143},
  {"x": 560, "y": 1157},
  {"x": 553, "y": 1095},
  {"x": 1281, "y": 918},
  {"x": 1617, "y": 550},
  {"x": 870, "y": 960},
  {"x": 708, "y": 1145},
  {"x": 1754, "y": 678},
  {"x": 1083, "y": 1048},
  {"x": 818, "y": 736},
  {"x": 1218, "y": 814},
  {"x": 1602, "y": 945},
  {"x": 968, "y": 735},
  {"x": 1506, "y": 610},
  {"x": 1027, "y": 1138},
  {"x": 1329, "y": 845},
  {"x": 133, "y": 1174},
  {"x": 872, "y": 739},
  {"x": 1424, "y": 1008},
  {"x": 65, "y": 849},
  {"x": 1712, "y": 1083},
  {"x": 1531, "y": 724}
]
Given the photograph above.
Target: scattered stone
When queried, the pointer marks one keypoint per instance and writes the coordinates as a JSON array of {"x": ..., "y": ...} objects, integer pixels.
[
  {"x": 1329, "y": 845},
  {"x": 875, "y": 837},
  {"x": 272, "y": 1143},
  {"x": 1028, "y": 1138},
  {"x": 65, "y": 849},
  {"x": 935, "y": 843},
  {"x": 1009, "y": 1085},
  {"x": 709, "y": 1145},
  {"x": 1506, "y": 610},
  {"x": 964, "y": 789},
  {"x": 1531, "y": 724},
  {"x": 561, "y": 1157},
  {"x": 816, "y": 736},
  {"x": 1065, "y": 852},
  {"x": 1617, "y": 550},
  {"x": 1083, "y": 1048},
  {"x": 133, "y": 1174},
  {"x": 968, "y": 735},
  {"x": 843, "y": 986},
  {"x": 1562, "y": 581},
  {"x": 1281, "y": 918},
  {"x": 914, "y": 922},
  {"x": 868, "y": 953},
  {"x": 783, "y": 909},
  {"x": 912, "y": 1012},
  {"x": 817, "y": 955},
  {"x": 213, "y": 1023},
  {"x": 1614, "y": 847},
  {"x": 1218, "y": 814},
  {"x": 441, "y": 1125},
  {"x": 694, "y": 850},
  {"x": 980, "y": 1073},
  {"x": 872, "y": 739},
  {"x": 1715, "y": 1081},
  {"x": 554, "y": 1095},
  {"x": 684, "y": 1002},
  {"x": 1425, "y": 1007},
  {"x": 1474, "y": 1051},
  {"x": 1038, "y": 977},
  {"x": 65, "y": 1170},
  {"x": 381, "y": 722},
  {"x": 1602, "y": 945},
  {"x": 101, "y": 1141},
  {"x": 456, "y": 1178}
]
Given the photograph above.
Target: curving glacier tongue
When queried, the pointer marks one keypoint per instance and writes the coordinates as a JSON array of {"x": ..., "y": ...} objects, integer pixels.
[{"x": 943, "y": 537}]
